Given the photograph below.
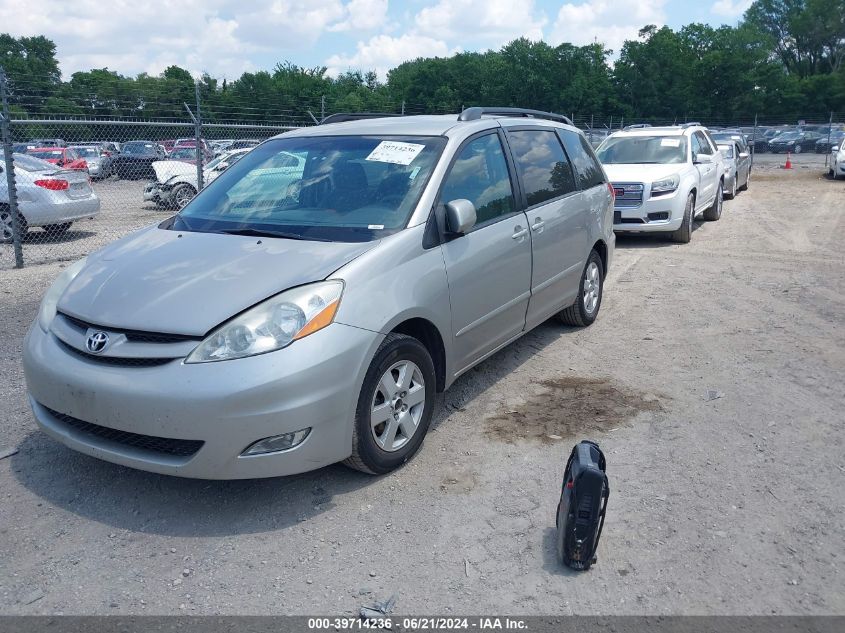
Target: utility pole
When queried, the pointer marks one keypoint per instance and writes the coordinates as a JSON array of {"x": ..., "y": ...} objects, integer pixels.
[
  {"x": 322, "y": 107},
  {"x": 10, "y": 172}
]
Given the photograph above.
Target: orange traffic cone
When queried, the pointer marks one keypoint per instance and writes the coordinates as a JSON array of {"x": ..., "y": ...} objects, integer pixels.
[{"x": 788, "y": 164}]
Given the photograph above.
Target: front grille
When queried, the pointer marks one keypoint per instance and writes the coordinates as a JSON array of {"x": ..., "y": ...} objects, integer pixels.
[
  {"x": 117, "y": 361},
  {"x": 138, "y": 336},
  {"x": 628, "y": 195},
  {"x": 151, "y": 443}
]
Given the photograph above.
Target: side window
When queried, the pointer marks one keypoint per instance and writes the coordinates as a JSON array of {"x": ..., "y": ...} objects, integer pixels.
[
  {"x": 703, "y": 144},
  {"x": 545, "y": 170},
  {"x": 480, "y": 175},
  {"x": 583, "y": 159}
]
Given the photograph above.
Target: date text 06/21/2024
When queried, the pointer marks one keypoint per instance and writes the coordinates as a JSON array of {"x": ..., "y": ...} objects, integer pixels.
[{"x": 421, "y": 623}]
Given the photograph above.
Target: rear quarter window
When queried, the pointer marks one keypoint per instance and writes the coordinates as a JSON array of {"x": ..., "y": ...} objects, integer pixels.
[{"x": 587, "y": 167}]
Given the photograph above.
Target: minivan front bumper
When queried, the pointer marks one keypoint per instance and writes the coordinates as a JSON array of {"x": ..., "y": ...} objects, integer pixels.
[{"x": 227, "y": 406}]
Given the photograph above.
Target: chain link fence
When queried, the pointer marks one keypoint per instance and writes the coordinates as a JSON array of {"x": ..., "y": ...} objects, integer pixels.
[{"x": 71, "y": 185}]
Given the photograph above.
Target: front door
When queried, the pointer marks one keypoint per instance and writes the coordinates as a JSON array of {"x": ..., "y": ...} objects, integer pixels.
[{"x": 489, "y": 268}]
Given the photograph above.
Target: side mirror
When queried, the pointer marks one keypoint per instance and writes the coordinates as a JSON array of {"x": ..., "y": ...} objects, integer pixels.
[
  {"x": 460, "y": 216},
  {"x": 743, "y": 154}
]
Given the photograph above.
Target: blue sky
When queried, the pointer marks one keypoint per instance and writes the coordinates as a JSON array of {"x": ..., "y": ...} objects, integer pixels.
[{"x": 227, "y": 37}]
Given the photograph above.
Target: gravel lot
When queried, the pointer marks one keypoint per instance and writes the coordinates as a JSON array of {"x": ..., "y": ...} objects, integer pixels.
[{"x": 713, "y": 379}]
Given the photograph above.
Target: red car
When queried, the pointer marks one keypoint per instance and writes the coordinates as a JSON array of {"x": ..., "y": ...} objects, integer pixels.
[{"x": 65, "y": 157}]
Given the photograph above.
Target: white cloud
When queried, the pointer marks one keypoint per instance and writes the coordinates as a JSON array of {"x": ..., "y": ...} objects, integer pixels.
[
  {"x": 362, "y": 15},
  {"x": 383, "y": 52},
  {"x": 609, "y": 22},
  {"x": 218, "y": 36},
  {"x": 492, "y": 22},
  {"x": 731, "y": 8}
]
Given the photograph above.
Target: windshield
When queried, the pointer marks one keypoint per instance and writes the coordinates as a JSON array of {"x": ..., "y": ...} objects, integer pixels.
[
  {"x": 638, "y": 150},
  {"x": 184, "y": 152},
  {"x": 138, "y": 148},
  {"x": 339, "y": 188},
  {"x": 230, "y": 157},
  {"x": 54, "y": 154},
  {"x": 27, "y": 162},
  {"x": 788, "y": 136},
  {"x": 87, "y": 152},
  {"x": 727, "y": 150}
]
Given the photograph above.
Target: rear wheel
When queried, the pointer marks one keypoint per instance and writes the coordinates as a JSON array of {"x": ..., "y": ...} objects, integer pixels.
[
  {"x": 684, "y": 233},
  {"x": 6, "y": 225},
  {"x": 394, "y": 406},
  {"x": 586, "y": 307},
  {"x": 56, "y": 230},
  {"x": 714, "y": 212},
  {"x": 798, "y": 149}
]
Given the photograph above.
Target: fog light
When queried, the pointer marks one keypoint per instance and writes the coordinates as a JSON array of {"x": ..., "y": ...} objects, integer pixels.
[{"x": 277, "y": 443}]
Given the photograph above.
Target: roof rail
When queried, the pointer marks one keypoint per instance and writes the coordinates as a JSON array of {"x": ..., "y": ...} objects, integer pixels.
[
  {"x": 340, "y": 117},
  {"x": 690, "y": 124},
  {"x": 473, "y": 114},
  {"x": 636, "y": 126}
]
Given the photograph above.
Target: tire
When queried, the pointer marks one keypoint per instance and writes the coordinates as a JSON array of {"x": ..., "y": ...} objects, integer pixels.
[
  {"x": 714, "y": 212},
  {"x": 798, "y": 149},
  {"x": 591, "y": 286},
  {"x": 6, "y": 225},
  {"x": 57, "y": 230},
  {"x": 732, "y": 194},
  {"x": 684, "y": 233},
  {"x": 182, "y": 195},
  {"x": 371, "y": 437},
  {"x": 747, "y": 182}
]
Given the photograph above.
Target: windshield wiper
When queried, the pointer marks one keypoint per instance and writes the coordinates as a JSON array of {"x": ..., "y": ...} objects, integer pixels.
[{"x": 271, "y": 233}]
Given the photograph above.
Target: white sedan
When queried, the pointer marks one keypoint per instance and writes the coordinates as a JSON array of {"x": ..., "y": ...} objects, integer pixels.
[{"x": 48, "y": 197}]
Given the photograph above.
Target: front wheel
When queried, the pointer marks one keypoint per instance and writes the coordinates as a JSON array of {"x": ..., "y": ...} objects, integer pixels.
[
  {"x": 732, "y": 192},
  {"x": 182, "y": 195},
  {"x": 798, "y": 149},
  {"x": 714, "y": 212},
  {"x": 394, "y": 406},
  {"x": 684, "y": 233},
  {"x": 586, "y": 307}
]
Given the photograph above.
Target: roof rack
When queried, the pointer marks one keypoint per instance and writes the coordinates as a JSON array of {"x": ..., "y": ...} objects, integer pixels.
[
  {"x": 340, "y": 117},
  {"x": 690, "y": 124},
  {"x": 473, "y": 114},
  {"x": 636, "y": 126}
]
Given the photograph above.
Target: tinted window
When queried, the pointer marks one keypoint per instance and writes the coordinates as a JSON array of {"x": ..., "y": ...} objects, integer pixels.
[
  {"x": 586, "y": 166},
  {"x": 480, "y": 175},
  {"x": 703, "y": 144},
  {"x": 546, "y": 172}
]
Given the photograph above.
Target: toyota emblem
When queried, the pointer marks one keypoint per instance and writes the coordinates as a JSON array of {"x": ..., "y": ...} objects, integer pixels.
[{"x": 97, "y": 341}]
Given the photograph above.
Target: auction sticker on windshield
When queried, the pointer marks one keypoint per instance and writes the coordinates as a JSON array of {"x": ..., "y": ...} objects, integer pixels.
[
  {"x": 670, "y": 142},
  {"x": 395, "y": 152}
]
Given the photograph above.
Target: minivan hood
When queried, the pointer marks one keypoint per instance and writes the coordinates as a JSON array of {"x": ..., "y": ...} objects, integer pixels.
[
  {"x": 175, "y": 282},
  {"x": 642, "y": 173}
]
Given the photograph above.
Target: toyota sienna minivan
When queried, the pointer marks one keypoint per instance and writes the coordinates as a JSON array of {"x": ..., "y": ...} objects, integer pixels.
[{"x": 305, "y": 307}]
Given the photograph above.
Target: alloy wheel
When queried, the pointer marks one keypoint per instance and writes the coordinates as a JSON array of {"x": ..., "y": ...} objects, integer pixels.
[
  {"x": 6, "y": 225},
  {"x": 183, "y": 196},
  {"x": 398, "y": 405},
  {"x": 592, "y": 288}
]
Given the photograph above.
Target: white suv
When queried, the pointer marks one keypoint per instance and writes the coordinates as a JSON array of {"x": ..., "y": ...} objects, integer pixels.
[{"x": 663, "y": 177}]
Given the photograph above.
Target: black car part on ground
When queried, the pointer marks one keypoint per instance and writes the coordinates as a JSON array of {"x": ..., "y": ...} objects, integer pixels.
[{"x": 582, "y": 506}]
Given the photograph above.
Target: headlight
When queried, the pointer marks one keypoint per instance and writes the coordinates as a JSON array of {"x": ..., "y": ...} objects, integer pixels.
[
  {"x": 666, "y": 185},
  {"x": 47, "y": 311},
  {"x": 272, "y": 324}
]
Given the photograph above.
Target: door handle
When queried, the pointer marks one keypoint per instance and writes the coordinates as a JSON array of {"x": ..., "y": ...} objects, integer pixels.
[
  {"x": 519, "y": 232},
  {"x": 538, "y": 225}
]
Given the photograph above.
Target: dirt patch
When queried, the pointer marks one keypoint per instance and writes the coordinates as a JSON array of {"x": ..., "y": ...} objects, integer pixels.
[{"x": 569, "y": 407}]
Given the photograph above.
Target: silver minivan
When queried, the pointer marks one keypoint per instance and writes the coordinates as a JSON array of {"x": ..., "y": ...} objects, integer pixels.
[{"x": 305, "y": 307}]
